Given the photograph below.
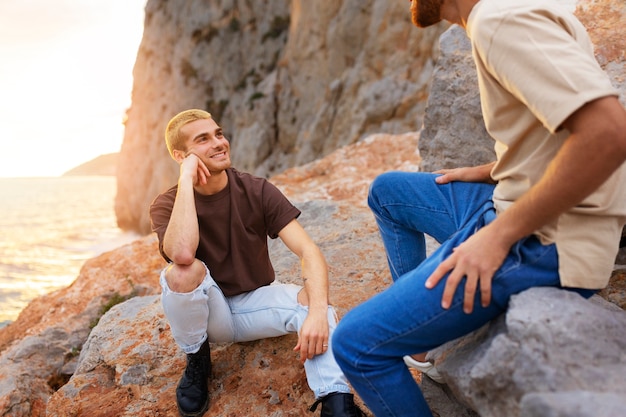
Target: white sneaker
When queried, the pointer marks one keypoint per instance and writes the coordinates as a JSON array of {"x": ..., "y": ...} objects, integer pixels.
[{"x": 426, "y": 368}]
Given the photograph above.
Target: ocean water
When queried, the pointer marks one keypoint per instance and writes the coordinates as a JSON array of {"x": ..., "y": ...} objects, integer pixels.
[{"x": 48, "y": 228}]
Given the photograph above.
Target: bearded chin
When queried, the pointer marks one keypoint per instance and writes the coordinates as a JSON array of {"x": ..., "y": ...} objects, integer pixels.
[{"x": 426, "y": 13}]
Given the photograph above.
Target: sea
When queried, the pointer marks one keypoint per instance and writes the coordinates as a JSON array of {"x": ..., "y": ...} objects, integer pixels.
[{"x": 48, "y": 228}]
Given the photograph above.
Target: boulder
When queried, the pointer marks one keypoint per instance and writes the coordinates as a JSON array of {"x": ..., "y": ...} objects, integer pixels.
[
  {"x": 553, "y": 353},
  {"x": 454, "y": 133},
  {"x": 39, "y": 351}
]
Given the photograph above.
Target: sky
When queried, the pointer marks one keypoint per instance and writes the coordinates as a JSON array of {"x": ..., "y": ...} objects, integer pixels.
[{"x": 65, "y": 81}]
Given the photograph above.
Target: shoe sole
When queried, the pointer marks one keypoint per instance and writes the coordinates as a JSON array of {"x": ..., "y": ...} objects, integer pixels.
[{"x": 200, "y": 413}]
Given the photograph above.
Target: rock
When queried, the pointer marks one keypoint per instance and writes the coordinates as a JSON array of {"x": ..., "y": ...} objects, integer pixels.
[
  {"x": 615, "y": 292},
  {"x": 128, "y": 351},
  {"x": 130, "y": 366},
  {"x": 289, "y": 81},
  {"x": 607, "y": 37},
  {"x": 532, "y": 359},
  {"x": 454, "y": 133},
  {"x": 572, "y": 404},
  {"x": 38, "y": 351},
  {"x": 265, "y": 375}
]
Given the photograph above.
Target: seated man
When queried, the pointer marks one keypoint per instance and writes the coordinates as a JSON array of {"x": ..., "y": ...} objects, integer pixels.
[
  {"x": 548, "y": 212},
  {"x": 219, "y": 284}
]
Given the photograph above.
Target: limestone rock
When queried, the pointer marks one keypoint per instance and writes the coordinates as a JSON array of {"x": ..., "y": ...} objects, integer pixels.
[
  {"x": 38, "y": 351},
  {"x": 289, "y": 81},
  {"x": 550, "y": 346},
  {"x": 132, "y": 360},
  {"x": 454, "y": 133},
  {"x": 573, "y": 404},
  {"x": 130, "y": 365}
]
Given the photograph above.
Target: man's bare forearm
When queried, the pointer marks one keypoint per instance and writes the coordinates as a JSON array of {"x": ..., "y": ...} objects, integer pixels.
[
  {"x": 182, "y": 236},
  {"x": 315, "y": 273}
]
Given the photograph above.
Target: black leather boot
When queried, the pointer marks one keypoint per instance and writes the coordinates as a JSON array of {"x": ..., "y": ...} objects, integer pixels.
[
  {"x": 338, "y": 404},
  {"x": 192, "y": 393}
]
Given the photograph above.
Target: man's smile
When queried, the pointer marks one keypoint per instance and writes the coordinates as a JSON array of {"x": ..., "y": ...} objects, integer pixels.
[{"x": 218, "y": 155}]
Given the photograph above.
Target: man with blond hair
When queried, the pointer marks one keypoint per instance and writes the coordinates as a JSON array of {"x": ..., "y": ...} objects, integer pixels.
[{"x": 219, "y": 284}]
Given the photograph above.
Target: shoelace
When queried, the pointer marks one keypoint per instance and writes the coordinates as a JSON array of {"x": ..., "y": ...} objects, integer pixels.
[
  {"x": 195, "y": 369},
  {"x": 314, "y": 406}
]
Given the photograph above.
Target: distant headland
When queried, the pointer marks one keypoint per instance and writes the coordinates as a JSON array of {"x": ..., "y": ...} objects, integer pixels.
[{"x": 102, "y": 165}]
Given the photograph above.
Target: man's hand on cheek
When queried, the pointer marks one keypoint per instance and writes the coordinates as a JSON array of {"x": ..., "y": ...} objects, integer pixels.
[{"x": 193, "y": 166}]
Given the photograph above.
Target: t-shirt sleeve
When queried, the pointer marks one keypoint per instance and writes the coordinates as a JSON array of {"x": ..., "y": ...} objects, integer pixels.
[
  {"x": 279, "y": 211},
  {"x": 160, "y": 212},
  {"x": 537, "y": 57}
]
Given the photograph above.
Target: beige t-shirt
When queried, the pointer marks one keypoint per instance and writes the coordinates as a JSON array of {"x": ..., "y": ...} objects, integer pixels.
[{"x": 536, "y": 67}]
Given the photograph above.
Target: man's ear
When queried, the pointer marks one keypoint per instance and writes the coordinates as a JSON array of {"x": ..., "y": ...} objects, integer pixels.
[{"x": 178, "y": 155}]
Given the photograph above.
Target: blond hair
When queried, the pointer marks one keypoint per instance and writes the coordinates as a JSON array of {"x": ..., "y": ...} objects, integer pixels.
[{"x": 173, "y": 138}]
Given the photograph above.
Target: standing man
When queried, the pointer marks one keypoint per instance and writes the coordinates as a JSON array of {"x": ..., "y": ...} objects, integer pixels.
[
  {"x": 548, "y": 212},
  {"x": 219, "y": 284}
]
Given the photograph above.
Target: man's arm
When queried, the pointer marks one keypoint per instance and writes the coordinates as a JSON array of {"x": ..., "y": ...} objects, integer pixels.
[
  {"x": 181, "y": 238},
  {"x": 595, "y": 148},
  {"x": 313, "y": 337}
]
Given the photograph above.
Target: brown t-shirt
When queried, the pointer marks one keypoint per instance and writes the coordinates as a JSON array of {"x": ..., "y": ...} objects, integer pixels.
[{"x": 234, "y": 225}]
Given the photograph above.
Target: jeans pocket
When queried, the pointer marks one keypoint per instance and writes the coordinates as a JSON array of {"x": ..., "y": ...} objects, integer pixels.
[{"x": 528, "y": 264}]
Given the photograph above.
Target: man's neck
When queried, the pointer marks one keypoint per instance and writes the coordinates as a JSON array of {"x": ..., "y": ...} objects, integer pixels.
[
  {"x": 458, "y": 11},
  {"x": 215, "y": 183}
]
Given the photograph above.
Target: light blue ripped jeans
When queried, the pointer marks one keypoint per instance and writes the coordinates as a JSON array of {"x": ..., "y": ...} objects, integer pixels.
[{"x": 269, "y": 311}]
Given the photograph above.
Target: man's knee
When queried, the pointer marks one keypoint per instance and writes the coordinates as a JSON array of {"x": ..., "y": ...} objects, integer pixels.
[
  {"x": 343, "y": 338},
  {"x": 303, "y": 297},
  {"x": 385, "y": 183},
  {"x": 185, "y": 278},
  {"x": 375, "y": 188}
]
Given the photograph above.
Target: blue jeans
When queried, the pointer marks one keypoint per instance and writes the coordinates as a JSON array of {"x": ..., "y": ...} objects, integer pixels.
[
  {"x": 407, "y": 318},
  {"x": 268, "y": 311}
]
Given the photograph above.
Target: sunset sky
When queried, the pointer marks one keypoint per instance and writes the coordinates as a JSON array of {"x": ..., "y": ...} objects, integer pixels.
[{"x": 65, "y": 81}]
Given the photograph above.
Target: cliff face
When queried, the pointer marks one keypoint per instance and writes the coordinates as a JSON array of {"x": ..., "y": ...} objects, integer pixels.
[
  {"x": 289, "y": 81},
  {"x": 124, "y": 362}
]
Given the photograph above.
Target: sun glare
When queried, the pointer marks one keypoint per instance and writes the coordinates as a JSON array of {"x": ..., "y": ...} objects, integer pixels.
[{"x": 65, "y": 81}]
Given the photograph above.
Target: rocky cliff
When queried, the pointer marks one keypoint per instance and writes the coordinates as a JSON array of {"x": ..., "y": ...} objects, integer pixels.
[
  {"x": 102, "y": 347},
  {"x": 289, "y": 80}
]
